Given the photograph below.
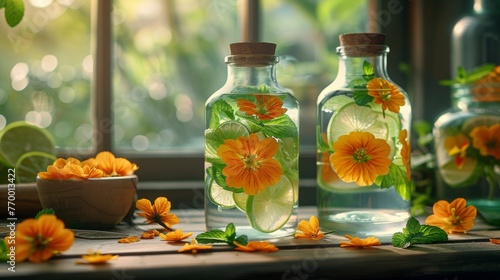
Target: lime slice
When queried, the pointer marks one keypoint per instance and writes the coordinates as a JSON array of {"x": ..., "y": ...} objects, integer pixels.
[
  {"x": 455, "y": 177},
  {"x": 485, "y": 120},
  {"x": 30, "y": 163},
  {"x": 240, "y": 199},
  {"x": 220, "y": 196},
  {"x": 20, "y": 137},
  {"x": 356, "y": 118},
  {"x": 231, "y": 130},
  {"x": 271, "y": 208}
]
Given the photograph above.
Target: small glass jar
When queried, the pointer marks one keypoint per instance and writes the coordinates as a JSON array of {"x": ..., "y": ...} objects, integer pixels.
[
  {"x": 467, "y": 147},
  {"x": 363, "y": 149},
  {"x": 252, "y": 147}
]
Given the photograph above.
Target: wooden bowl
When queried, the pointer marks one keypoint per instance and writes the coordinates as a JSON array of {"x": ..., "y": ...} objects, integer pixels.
[{"x": 89, "y": 204}]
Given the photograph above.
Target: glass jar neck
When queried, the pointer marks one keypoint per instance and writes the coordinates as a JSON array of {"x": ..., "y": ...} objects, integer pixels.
[
  {"x": 352, "y": 67},
  {"x": 483, "y": 96},
  {"x": 251, "y": 75}
]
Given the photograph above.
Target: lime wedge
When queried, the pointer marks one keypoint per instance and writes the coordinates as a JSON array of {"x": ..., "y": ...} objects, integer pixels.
[
  {"x": 30, "y": 163},
  {"x": 356, "y": 118},
  {"x": 20, "y": 137},
  {"x": 231, "y": 130},
  {"x": 455, "y": 177},
  {"x": 219, "y": 196},
  {"x": 271, "y": 208},
  {"x": 240, "y": 199}
]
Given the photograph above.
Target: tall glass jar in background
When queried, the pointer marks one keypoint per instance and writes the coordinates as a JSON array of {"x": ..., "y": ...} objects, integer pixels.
[
  {"x": 363, "y": 143},
  {"x": 252, "y": 147},
  {"x": 467, "y": 145}
]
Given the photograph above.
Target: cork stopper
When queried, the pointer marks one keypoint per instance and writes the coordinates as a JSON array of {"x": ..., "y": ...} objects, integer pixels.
[
  {"x": 363, "y": 44},
  {"x": 252, "y": 48},
  {"x": 252, "y": 53}
]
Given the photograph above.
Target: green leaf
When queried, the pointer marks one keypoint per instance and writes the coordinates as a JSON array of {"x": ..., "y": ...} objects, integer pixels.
[
  {"x": 361, "y": 97},
  {"x": 414, "y": 233},
  {"x": 2, "y": 3},
  {"x": 397, "y": 178},
  {"x": 221, "y": 111},
  {"x": 368, "y": 71},
  {"x": 3, "y": 251},
  {"x": 213, "y": 236},
  {"x": 46, "y": 211},
  {"x": 479, "y": 72},
  {"x": 227, "y": 236},
  {"x": 280, "y": 127},
  {"x": 14, "y": 12}
]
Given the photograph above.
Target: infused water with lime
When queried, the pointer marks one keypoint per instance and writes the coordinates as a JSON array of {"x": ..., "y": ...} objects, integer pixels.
[
  {"x": 251, "y": 151},
  {"x": 363, "y": 149}
]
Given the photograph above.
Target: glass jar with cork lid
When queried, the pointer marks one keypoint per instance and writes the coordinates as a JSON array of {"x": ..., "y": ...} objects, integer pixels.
[
  {"x": 252, "y": 147},
  {"x": 363, "y": 143}
]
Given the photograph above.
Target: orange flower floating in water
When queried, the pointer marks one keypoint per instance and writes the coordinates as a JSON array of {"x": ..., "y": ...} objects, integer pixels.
[
  {"x": 175, "y": 236},
  {"x": 194, "y": 247},
  {"x": 360, "y": 157},
  {"x": 104, "y": 165},
  {"x": 405, "y": 152},
  {"x": 249, "y": 163},
  {"x": 359, "y": 243},
  {"x": 96, "y": 258},
  {"x": 39, "y": 239},
  {"x": 309, "y": 229},
  {"x": 487, "y": 140},
  {"x": 256, "y": 246},
  {"x": 265, "y": 107},
  {"x": 158, "y": 212},
  {"x": 452, "y": 217},
  {"x": 386, "y": 94},
  {"x": 456, "y": 146}
]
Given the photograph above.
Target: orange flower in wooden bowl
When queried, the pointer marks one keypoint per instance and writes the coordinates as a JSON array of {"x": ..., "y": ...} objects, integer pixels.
[{"x": 92, "y": 194}]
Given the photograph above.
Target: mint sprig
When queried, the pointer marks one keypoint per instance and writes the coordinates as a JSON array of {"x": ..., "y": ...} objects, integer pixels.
[
  {"x": 45, "y": 211},
  {"x": 463, "y": 77},
  {"x": 414, "y": 233},
  {"x": 227, "y": 236}
]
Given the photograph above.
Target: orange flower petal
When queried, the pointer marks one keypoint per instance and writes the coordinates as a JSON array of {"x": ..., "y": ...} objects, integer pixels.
[
  {"x": 359, "y": 243},
  {"x": 256, "y": 246}
]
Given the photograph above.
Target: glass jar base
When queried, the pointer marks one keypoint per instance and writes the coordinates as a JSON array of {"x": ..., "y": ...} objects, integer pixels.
[{"x": 364, "y": 223}]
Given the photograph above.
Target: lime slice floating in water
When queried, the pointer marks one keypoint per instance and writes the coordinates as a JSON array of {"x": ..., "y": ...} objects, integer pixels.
[
  {"x": 30, "y": 163},
  {"x": 240, "y": 199},
  {"x": 460, "y": 177},
  {"x": 220, "y": 196},
  {"x": 20, "y": 137},
  {"x": 271, "y": 208},
  {"x": 231, "y": 130},
  {"x": 356, "y": 118}
]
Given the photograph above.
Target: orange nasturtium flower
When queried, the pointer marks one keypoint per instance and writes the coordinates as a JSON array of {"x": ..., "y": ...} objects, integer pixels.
[
  {"x": 249, "y": 163},
  {"x": 113, "y": 166},
  {"x": 175, "y": 236},
  {"x": 386, "y": 94},
  {"x": 359, "y": 243},
  {"x": 360, "y": 157},
  {"x": 96, "y": 258},
  {"x": 256, "y": 246},
  {"x": 487, "y": 140},
  {"x": 266, "y": 107},
  {"x": 405, "y": 152},
  {"x": 194, "y": 247},
  {"x": 71, "y": 168},
  {"x": 157, "y": 212},
  {"x": 309, "y": 229},
  {"x": 39, "y": 239},
  {"x": 452, "y": 217},
  {"x": 457, "y": 146}
]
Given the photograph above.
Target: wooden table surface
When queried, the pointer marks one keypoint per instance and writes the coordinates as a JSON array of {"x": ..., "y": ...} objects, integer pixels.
[{"x": 470, "y": 256}]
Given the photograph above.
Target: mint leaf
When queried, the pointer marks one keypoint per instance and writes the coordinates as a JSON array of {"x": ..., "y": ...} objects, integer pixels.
[
  {"x": 46, "y": 211},
  {"x": 479, "y": 72},
  {"x": 213, "y": 236},
  {"x": 227, "y": 236},
  {"x": 3, "y": 251},
  {"x": 397, "y": 178},
  {"x": 14, "y": 12},
  {"x": 221, "y": 111},
  {"x": 414, "y": 233},
  {"x": 361, "y": 97},
  {"x": 368, "y": 71}
]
